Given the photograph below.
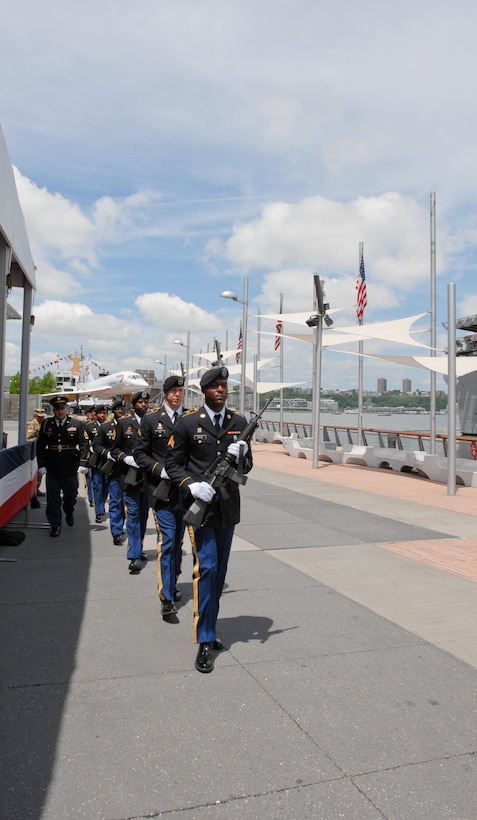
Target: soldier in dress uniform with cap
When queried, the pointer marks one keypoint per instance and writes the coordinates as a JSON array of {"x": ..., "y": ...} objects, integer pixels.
[
  {"x": 198, "y": 439},
  {"x": 62, "y": 452},
  {"x": 98, "y": 479},
  {"x": 150, "y": 453},
  {"x": 103, "y": 443},
  {"x": 135, "y": 493}
]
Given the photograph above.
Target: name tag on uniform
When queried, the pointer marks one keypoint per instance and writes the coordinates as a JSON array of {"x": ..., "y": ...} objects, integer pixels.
[{"x": 200, "y": 437}]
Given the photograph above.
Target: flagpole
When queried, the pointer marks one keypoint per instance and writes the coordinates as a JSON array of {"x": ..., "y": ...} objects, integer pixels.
[
  {"x": 256, "y": 375},
  {"x": 360, "y": 363},
  {"x": 432, "y": 386},
  {"x": 281, "y": 368},
  {"x": 451, "y": 387}
]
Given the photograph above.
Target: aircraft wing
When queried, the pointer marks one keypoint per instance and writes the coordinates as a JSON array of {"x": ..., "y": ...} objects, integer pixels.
[{"x": 78, "y": 393}]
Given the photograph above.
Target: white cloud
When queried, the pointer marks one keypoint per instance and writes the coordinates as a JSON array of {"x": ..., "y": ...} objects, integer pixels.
[
  {"x": 172, "y": 313},
  {"x": 53, "y": 282},
  {"x": 55, "y": 223},
  {"x": 69, "y": 321},
  {"x": 316, "y": 235}
]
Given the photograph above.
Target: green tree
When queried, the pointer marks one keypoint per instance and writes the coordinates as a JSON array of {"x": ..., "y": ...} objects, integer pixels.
[
  {"x": 45, "y": 384},
  {"x": 15, "y": 383}
]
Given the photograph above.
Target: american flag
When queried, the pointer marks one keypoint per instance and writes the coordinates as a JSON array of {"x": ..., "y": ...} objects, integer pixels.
[
  {"x": 239, "y": 346},
  {"x": 362, "y": 298},
  {"x": 278, "y": 328}
]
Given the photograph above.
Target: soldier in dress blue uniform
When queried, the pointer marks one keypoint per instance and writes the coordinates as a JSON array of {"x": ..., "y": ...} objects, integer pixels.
[
  {"x": 199, "y": 438},
  {"x": 98, "y": 479},
  {"x": 150, "y": 453},
  {"x": 103, "y": 443},
  {"x": 62, "y": 452},
  {"x": 135, "y": 494}
]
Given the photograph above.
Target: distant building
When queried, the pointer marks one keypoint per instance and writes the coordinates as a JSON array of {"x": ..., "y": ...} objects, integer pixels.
[
  {"x": 382, "y": 386},
  {"x": 148, "y": 375},
  {"x": 406, "y": 385}
]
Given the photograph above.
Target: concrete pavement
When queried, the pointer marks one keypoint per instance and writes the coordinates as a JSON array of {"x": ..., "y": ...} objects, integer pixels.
[{"x": 348, "y": 689}]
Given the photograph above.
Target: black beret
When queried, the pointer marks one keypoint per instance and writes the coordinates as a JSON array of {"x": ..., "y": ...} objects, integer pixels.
[
  {"x": 141, "y": 394},
  {"x": 100, "y": 408},
  {"x": 118, "y": 403},
  {"x": 172, "y": 381},
  {"x": 212, "y": 375},
  {"x": 59, "y": 401}
]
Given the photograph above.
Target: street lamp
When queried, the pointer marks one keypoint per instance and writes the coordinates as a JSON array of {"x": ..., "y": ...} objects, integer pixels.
[
  {"x": 229, "y": 294},
  {"x": 164, "y": 364},
  {"x": 187, "y": 347}
]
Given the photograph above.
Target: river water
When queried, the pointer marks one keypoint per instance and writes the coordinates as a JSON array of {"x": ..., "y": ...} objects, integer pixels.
[{"x": 419, "y": 422}]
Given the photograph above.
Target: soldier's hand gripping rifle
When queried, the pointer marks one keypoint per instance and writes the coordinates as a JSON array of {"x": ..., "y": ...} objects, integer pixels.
[{"x": 223, "y": 470}]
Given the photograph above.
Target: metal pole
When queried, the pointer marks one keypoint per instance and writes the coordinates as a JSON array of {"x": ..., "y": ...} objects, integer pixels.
[
  {"x": 281, "y": 371},
  {"x": 317, "y": 391},
  {"x": 186, "y": 396},
  {"x": 244, "y": 345},
  {"x": 256, "y": 373},
  {"x": 452, "y": 390},
  {"x": 25, "y": 360},
  {"x": 317, "y": 346},
  {"x": 360, "y": 365},
  {"x": 432, "y": 386},
  {"x": 5, "y": 261}
]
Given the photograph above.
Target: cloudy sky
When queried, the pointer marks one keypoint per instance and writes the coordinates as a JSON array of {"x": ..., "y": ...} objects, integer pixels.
[{"x": 163, "y": 151}]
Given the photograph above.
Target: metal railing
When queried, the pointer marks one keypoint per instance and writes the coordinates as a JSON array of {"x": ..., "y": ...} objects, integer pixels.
[{"x": 396, "y": 439}]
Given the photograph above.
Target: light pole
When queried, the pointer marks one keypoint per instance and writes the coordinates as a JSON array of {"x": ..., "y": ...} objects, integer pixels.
[
  {"x": 164, "y": 364},
  {"x": 187, "y": 347},
  {"x": 229, "y": 294},
  {"x": 316, "y": 321}
]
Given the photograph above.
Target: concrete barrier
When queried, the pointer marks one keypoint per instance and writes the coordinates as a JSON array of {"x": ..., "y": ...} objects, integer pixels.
[{"x": 435, "y": 468}]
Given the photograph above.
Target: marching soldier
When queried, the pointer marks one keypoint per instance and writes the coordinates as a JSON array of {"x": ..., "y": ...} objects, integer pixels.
[
  {"x": 98, "y": 479},
  {"x": 150, "y": 454},
  {"x": 133, "y": 487},
  {"x": 62, "y": 452},
  {"x": 103, "y": 443},
  {"x": 33, "y": 428},
  {"x": 198, "y": 439}
]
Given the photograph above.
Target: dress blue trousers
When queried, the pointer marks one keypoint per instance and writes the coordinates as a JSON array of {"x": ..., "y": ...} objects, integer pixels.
[
  {"x": 136, "y": 520},
  {"x": 211, "y": 547},
  {"x": 100, "y": 490},
  {"x": 116, "y": 507},
  {"x": 55, "y": 485},
  {"x": 170, "y": 533},
  {"x": 89, "y": 486}
]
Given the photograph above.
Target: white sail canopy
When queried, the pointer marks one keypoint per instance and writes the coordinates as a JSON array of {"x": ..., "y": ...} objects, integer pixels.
[
  {"x": 397, "y": 330},
  {"x": 439, "y": 364}
]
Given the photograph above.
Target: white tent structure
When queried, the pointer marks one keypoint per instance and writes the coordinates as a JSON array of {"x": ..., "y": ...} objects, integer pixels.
[
  {"x": 17, "y": 271},
  {"x": 439, "y": 364}
]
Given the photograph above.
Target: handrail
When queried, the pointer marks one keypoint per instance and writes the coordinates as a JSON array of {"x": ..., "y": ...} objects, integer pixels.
[{"x": 342, "y": 434}]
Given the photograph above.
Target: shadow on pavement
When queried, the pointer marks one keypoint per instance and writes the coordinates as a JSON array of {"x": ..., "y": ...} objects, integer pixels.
[{"x": 42, "y": 598}]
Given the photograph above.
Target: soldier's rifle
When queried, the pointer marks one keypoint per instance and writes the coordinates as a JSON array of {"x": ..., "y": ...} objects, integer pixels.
[{"x": 222, "y": 471}]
